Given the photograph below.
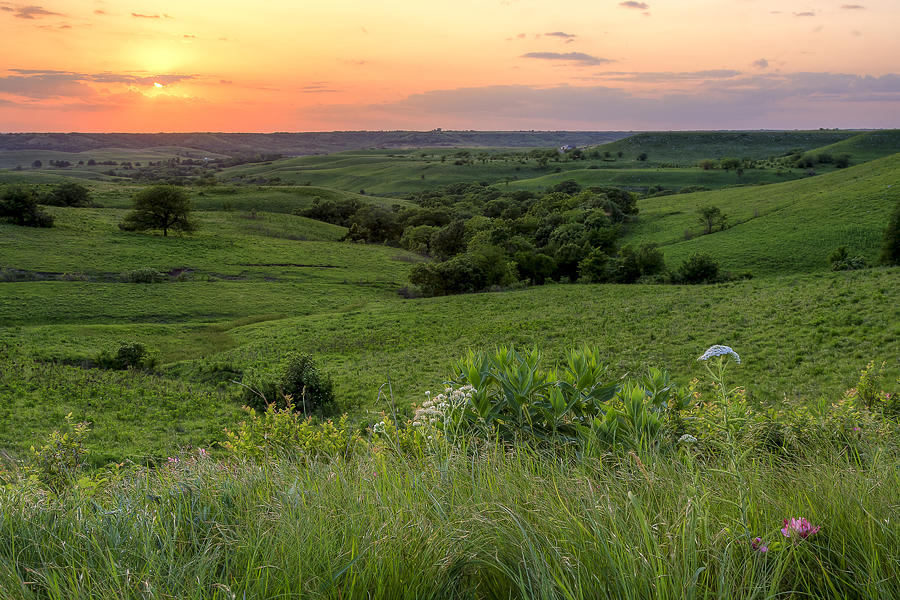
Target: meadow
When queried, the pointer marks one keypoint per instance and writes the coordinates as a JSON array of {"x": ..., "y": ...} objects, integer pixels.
[{"x": 161, "y": 502}]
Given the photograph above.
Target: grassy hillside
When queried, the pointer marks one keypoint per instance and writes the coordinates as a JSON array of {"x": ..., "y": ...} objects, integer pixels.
[
  {"x": 802, "y": 336},
  {"x": 787, "y": 227},
  {"x": 865, "y": 146},
  {"x": 688, "y": 147}
]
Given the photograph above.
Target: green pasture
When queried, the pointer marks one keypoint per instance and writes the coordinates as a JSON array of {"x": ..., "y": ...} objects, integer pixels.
[{"x": 781, "y": 228}]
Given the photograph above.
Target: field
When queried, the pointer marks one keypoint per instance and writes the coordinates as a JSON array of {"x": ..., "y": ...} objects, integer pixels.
[{"x": 257, "y": 282}]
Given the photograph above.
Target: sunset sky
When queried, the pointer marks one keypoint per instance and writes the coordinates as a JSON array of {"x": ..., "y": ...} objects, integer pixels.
[{"x": 278, "y": 65}]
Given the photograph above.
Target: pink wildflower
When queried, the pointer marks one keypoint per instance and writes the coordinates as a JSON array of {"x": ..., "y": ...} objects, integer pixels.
[
  {"x": 798, "y": 527},
  {"x": 172, "y": 460},
  {"x": 203, "y": 453},
  {"x": 758, "y": 545}
]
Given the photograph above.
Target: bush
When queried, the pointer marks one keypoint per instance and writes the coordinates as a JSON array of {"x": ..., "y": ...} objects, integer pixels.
[
  {"x": 841, "y": 260},
  {"x": 59, "y": 460},
  {"x": 300, "y": 382},
  {"x": 129, "y": 355},
  {"x": 698, "y": 268},
  {"x": 69, "y": 194},
  {"x": 144, "y": 275},
  {"x": 18, "y": 205},
  {"x": 283, "y": 430}
]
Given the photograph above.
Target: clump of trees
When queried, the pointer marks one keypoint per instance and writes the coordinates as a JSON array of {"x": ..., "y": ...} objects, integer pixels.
[
  {"x": 712, "y": 217},
  {"x": 68, "y": 194},
  {"x": 162, "y": 208},
  {"x": 19, "y": 206}
]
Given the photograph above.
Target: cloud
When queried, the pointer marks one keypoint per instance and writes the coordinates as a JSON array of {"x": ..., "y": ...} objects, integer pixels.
[
  {"x": 667, "y": 76},
  {"x": 853, "y": 7},
  {"x": 140, "y": 16},
  {"x": 761, "y": 63},
  {"x": 42, "y": 84},
  {"x": 579, "y": 58},
  {"x": 32, "y": 12},
  {"x": 633, "y": 4},
  {"x": 561, "y": 34},
  {"x": 805, "y": 14},
  {"x": 770, "y": 101},
  {"x": 100, "y": 12}
]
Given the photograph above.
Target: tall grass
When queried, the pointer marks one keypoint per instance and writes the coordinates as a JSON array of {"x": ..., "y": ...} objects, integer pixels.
[{"x": 499, "y": 522}]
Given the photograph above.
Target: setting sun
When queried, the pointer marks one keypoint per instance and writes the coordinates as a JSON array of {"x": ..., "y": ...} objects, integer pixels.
[{"x": 157, "y": 84}]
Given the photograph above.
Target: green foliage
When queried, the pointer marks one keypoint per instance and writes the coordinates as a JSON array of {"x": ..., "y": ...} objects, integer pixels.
[
  {"x": 161, "y": 207},
  {"x": 129, "y": 355},
  {"x": 698, "y": 268},
  {"x": 299, "y": 381},
  {"x": 18, "y": 205},
  {"x": 841, "y": 260},
  {"x": 285, "y": 431},
  {"x": 68, "y": 194},
  {"x": 890, "y": 245},
  {"x": 59, "y": 460},
  {"x": 144, "y": 275},
  {"x": 711, "y": 217}
]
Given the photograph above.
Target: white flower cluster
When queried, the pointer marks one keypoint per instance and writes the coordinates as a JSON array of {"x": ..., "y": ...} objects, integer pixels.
[
  {"x": 687, "y": 439},
  {"x": 378, "y": 427},
  {"x": 718, "y": 350},
  {"x": 437, "y": 409}
]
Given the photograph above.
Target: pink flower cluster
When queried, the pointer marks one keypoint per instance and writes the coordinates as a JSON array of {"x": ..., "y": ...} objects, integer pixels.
[
  {"x": 759, "y": 546},
  {"x": 799, "y": 527}
]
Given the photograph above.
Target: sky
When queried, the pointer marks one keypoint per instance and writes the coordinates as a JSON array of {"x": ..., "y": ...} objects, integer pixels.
[{"x": 300, "y": 65}]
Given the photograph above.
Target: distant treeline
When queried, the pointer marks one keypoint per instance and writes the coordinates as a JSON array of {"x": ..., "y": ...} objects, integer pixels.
[{"x": 234, "y": 144}]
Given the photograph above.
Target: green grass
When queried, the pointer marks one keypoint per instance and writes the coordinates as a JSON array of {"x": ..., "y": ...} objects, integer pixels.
[
  {"x": 865, "y": 146},
  {"x": 10, "y": 159},
  {"x": 686, "y": 148},
  {"x": 495, "y": 524},
  {"x": 783, "y": 228}
]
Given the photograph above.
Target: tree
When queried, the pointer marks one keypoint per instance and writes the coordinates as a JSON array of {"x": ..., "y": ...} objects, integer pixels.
[
  {"x": 69, "y": 194},
  {"x": 890, "y": 249},
  {"x": 711, "y": 216},
  {"x": 162, "y": 207},
  {"x": 37, "y": 164},
  {"x": 18, "y": 206},
  {"x": 642, "y": 157},
  {"x": 698, "y": 268}
]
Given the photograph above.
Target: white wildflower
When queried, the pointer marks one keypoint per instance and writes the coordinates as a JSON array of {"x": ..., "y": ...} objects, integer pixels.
[
  {"x": 718, "y": 350},
  {"x": 687, "y": 439}
]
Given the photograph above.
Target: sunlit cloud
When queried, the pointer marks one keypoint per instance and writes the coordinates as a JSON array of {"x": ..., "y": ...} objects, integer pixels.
[
  {"x": 633, "y": 4},
  {"x": 578, "y": 58},
  {"x": 30, "y": 12}
]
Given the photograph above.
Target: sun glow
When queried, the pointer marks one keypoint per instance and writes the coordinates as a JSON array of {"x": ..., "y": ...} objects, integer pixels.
[{"x": 158, "y": 85}]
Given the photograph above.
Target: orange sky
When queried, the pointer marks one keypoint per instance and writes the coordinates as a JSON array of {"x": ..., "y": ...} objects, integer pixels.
[{"x": 277, "y": 65}]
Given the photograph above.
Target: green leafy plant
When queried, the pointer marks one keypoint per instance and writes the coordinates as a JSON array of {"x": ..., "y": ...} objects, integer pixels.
[{"x": 59, "y": 460}]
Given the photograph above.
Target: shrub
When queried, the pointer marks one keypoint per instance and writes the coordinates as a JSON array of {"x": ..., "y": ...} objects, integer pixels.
[
  {"x": 129, "y": 355},
  {"x": 69, "y": 194},
  {"x": 18, "y": 205},
  {"x": 283, "y": 430},
  {"x": 144, "y": 275},
  {"x": 841, "y": 260},
  {"x": 299, "y": 382},
  {"x": 63, "y": 455},
  {"x": 698, "y": 268}
]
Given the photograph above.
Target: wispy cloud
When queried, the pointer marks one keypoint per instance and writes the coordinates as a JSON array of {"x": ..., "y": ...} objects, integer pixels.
[
  {"x": 742, "y": 102},
  {"x": 142, "y": 16},
  {"x": 579, "y": 58},
  {"x": 562, "y": 34},
  {"x": 636, "y": 5},
  {"x": 40, "y": 83},
  {"x": 853, "y": 7},
  {"x": 761, "y": 63},
  {"x": 807, "y": 13},
  {"x": 30, "y": 12}
]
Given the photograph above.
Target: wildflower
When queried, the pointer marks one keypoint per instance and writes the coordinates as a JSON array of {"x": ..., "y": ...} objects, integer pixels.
[
  {"x": 758, "y": 545},
  {"x": 378, "y": 427},
  {"x": 173, "y": 461},
  {"x": 687, "y": 439},
  {"x": 718, "y": 350},
  {"x": 798, "y": 527},
  {"x": 203, "y": 453}
]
